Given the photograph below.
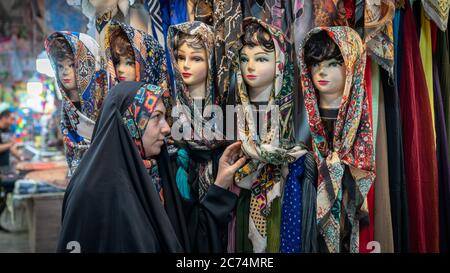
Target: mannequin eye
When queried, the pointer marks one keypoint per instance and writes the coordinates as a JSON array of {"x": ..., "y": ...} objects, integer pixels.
[
  {"x": 197, "y": 59},
  {"x": 315, "y": 65},
  {"x": 261, "y": 59},
  {"x": 335, "y": 64},
  {"x": 181, "y": 58},
  {"x": 72, "y": 65},
  {"x": 244, "y": 59}
]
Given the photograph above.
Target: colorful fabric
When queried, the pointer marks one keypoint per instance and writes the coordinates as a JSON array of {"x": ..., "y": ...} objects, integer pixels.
[
  {"x": 438, "y": 11},
  {"x": 291, "y": 218},
  {"x": 91, "y": 79},
  {"x": 425, "y": 45},
  {"x": 270, "y": 155},
  {"x": 418, "y": 142},
  {"x": 378, "y": 32},
  {"x": 352, "y": 141},
  {"x": 227, "y": 27},
  {"x": 153, "y": 8},
  {"x": 330, "y": 13},
  {"x": 102, "y": 20},
  {"x": 136, "y": 118},
  {"x": 199, "y": 125}
]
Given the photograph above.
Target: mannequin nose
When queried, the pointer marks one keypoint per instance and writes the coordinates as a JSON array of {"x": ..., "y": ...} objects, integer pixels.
[
  {"x": 250, "y": 66},
  {"x": 186, "y": 64}
]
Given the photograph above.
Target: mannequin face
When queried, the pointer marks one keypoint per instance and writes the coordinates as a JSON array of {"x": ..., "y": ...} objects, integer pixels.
[
  {"x": 257, "y": 67},
  {"x": 157, "y": 129},
  {"x": 126, "y": 69},
  {"x": 193, "y": 65},
  {"x": 66, "y": 74},
  {"x": 329, "y": 76}
]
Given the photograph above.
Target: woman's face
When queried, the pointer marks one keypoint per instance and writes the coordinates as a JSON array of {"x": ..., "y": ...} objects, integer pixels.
[
  {"x": 66, "y": 74},
  {"x": 257, "y": 66},
  {"x": 193, "y": 64},
  {"x": 329, "y": 76},
  {"x": 126, "y": 69},
  {"x": 156, "y": 130}
]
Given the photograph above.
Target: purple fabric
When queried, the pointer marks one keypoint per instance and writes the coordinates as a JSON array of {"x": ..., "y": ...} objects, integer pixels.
[{"x": 443, "y": 165}]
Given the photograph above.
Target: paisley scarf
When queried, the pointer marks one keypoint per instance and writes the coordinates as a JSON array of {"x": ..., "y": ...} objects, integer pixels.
[
  {"x": 269, "y": 155},
  {"x": 196, "y": 142},
  {"x": 92, "y": 83},
  {"x": 352, "y": 142}
]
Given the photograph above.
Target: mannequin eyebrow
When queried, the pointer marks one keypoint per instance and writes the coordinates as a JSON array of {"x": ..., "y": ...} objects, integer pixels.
[{"x": 261, "y": 53}]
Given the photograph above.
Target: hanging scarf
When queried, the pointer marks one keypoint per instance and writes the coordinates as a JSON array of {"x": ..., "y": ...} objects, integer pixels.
[
  {"x": 329, "y": 13},
  {"x": 438, "y": 11},
  {"x": 91, "y": 79},
  {"x": 136, "y": 118},
  {"x": 153, "y": 8},
  {"x": 149, "y": 56},
  {"x": 378, "y": 32},
  {"x": 227, "y": 28},
  {"x": 291, "y": 230},
  {"x": 266, "y": 172},
  {"x": 352, "y": 142},
  {"x": 203, "y": 11},
  {"x": 198, "y": 143},
  {"x": 274, "y": 12}
]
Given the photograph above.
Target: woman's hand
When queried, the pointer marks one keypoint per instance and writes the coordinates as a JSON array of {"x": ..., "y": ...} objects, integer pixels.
[{"x": 229, "y": 163}]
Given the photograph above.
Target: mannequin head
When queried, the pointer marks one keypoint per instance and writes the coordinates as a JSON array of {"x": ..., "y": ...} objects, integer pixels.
[
  {"x": 324, "y": 60},
  {"x": 192, "y": 62},
  {"x": 257, "y": 62},
  {"x": 122, "y": 55},
  {"x": 62, "y": 53}
]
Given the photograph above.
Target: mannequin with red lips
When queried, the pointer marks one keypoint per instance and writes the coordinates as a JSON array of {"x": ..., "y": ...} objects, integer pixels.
[
  {"x": 326, "y": 64},
  {"x": 66, "y": 69},
  {"x": 123, "y": 56},
  {"x": 257, "y": 65},
  {"x": 193, "y": 65}
]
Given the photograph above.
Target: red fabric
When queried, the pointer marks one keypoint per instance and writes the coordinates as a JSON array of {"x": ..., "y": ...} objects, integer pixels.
[
  {"x": 350, "y": 10},
  {"x": 433, "y": 28},
  {"x": 366, "y": 233},
  {"x": 418, "y": 141}
]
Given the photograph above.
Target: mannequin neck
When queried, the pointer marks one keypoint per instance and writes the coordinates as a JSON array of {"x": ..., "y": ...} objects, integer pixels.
[
  {"x": 103, "y": 10},
  {"x": 260, "y": 94},
  {"x": 330, "y": 100},
  {"x": 190, "y": 6},
  {"x": 73, "y": 95},
  {"x": 197, "y": 91}
]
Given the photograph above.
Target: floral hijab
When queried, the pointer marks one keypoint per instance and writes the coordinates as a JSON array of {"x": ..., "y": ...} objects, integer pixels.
[
  {"x": 352, "y": 141},
  {"x": 150, "y": 59},
  {"x": 269, "y": 156},
  {"x": 92, "y": 83}
]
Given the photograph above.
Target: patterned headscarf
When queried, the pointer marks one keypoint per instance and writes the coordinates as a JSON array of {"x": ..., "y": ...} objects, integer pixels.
[
  {"x": 329, "y": 13},
  {"x": 136, "y": 118},
  {"x": 352, "y": 141},
  {"x": 186, "y": 103},
  {"x": 266, "y": 171},
  {"x": 378, "y": 32},
  {"x": 92, "y": 87},
  {"x": 149, "y": 56},
  {"x": 438, "y": 11}
]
